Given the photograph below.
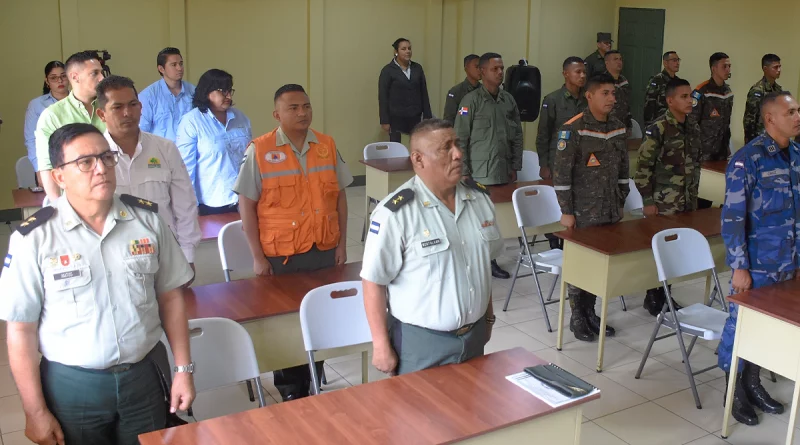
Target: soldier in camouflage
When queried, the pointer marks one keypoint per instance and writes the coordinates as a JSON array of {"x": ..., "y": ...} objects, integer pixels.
[
  {"x": 713, "y": 104},
  {"x": 591, "y": 182},
  {"x": 668, "y": 173},
  {"x": 622, "y": 108},
  {"x": 771, "y": 65},
  {"x": 595, "y": 62},
  {"x": 759, "y": 228},
  {"x": 470, "y": 83},
  {"x": 655, "y": 102}
]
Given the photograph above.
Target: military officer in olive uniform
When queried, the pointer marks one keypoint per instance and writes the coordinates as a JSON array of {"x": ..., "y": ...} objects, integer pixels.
[
  {"x": 753, "y": 125},
  {"x": 668, "y": 174},
  {"x": 622, "y": 107},
  {"x": 490, "y": 132},
  {"x": 591, "y": 182},
  {"x": 655, "y": 101},
  {"x": 92, "y": 283},
  {"x": 427, "y": 259},
  {"x": 713, "y": 104},
  {"x": 596, "y": 62},
  {"x": 457, "y": 93}
]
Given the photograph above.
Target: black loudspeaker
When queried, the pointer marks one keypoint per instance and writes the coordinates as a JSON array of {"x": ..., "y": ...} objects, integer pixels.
[{"x": 524, "y": 82}]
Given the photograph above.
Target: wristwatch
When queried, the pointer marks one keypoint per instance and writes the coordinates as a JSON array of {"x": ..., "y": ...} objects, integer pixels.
[{"x": 184, "y": 368}]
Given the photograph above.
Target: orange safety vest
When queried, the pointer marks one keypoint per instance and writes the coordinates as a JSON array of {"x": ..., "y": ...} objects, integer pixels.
[{"x": 297, "y": 210}]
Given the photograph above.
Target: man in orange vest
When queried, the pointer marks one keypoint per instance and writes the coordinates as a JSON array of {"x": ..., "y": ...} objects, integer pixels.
[{"x": 294, "y": 213}]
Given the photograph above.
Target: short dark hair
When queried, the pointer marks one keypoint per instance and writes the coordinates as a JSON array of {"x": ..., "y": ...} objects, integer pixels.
[
  {"x": 47, "y": 68},
  {"x": 674, "y": 84},
  {"x": 598, "y": 80},
  {"x": 716, "y": 57},
  {"x": 397, "y": 42},
  {"x": 486, "y": 57},
  {"x": 570, "y": 60},
  {"x": 112, "y": 83},
  {"x": 667, "y": 54},
  {"x": 161, "y": 59},
  {"x": 427, "y": 126},
  {"x": 769, "y": 59},
  {"x": 64, "y": 136},
  {"x": 470, "y": 58},
  {"x": 289, "y": 88},
  {"x": 610, "y": 52},
  {"x": 212, "y": 80},
  {"x": 82, "y": 57},
  {"x": 771, "y": 98}
]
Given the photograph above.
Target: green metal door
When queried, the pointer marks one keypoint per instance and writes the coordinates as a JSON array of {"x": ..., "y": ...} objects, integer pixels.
[{"x": 641, "y": 41}]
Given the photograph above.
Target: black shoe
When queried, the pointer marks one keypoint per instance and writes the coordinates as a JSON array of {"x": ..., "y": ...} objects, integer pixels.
[
  {"x": 655, "y": 300},
  {"x": 757, "y": 395},
  {"x": 579, "y": 325},
  {"x": 555, "y": 243},
  {"x": 497, "y": 272},
  {"x": 742, "y": 410},
  {"x": 593, "y": 321},
  {"x": 293, "y": 396}
]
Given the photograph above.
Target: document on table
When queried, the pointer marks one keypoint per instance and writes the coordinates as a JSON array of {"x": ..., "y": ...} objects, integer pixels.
[{"x": 542, "y": 391}]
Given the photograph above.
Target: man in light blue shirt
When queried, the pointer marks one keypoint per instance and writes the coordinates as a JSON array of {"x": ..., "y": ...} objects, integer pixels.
[
  {"x": 35, "y": 108},
  {"x": 167, "y": 100}
]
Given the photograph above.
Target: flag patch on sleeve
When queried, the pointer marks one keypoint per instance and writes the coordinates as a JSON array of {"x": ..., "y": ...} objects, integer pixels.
[
  {"x": 463, "y": 111},
  {"x": 374, "y": 227},
  {"x": 7, "y": 262}
]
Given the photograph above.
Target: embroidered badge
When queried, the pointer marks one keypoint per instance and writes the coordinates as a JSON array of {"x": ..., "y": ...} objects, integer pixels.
[
  {"x": 7, "y": 262},
  {"x": 432, "y": 242},
  {"x": 544, "y": 105},
  {"x": 275, "y": 157},
  {"x": 564, "y": 135},
  {"x": 562, "y": 145},
  {"x": 374, "y": 227},
  {"x": 323, "y": 152},
  {"x": 153, "y": 163},
  {"x": 426, "y": 233},
  {"x": 714, "y": 113},
  {"x": 463, "y": 111},
  {"x": 593, "y": 162},
  {"x": 64, "y": 260},
  {"x": 141, "y": 247},
  {"x": 738, "y": 164},
  {"x": 450, "y": 95}
]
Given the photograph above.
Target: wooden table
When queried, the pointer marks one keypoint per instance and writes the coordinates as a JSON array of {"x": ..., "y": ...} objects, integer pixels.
[
  {"x": 712, "y": 182},
  {"x": 469, "y": 403},
  {"x": 268, "y": 307},
  {"x": 767, "y": 330},
  {"x": 27, "y": 201},
  {"x": 617, "y": 259}
]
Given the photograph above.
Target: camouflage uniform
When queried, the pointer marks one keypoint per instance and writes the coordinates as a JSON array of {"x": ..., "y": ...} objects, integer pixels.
[
  {"x": 622, "y": 109},
  {"x": 655, "y": 97},
  {"x": 762, "y": 198},
  {"x": 668, "y": 174},
  {"x": 712, "y": 107},
  {"x": 752, "y": 109},
  {"x": 557, "y": 108},
  {"x": 591, "y": 180}
]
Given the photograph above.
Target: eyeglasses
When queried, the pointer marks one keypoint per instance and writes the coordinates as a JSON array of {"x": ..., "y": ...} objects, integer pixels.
[
  {"x": 88, "y": 163},
  {"x": 674, "y": 60},
  {"x": 62, "y": 78},
  {"x": 226, "y": 92}
]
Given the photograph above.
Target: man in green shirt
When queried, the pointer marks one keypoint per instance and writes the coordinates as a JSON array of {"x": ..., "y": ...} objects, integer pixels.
[
  {"x": 596, "y": 62},
  {"x": 454, "y": 96},
  {"x": 85, "y": 71}
]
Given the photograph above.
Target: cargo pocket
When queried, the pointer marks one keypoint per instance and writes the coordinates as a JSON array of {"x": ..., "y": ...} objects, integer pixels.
[
  {"x": 141, "y": 279},
  {"x": 71, "y": 289},
  {"x": 433, "y": 251},
  {"x": 281, "y": 239}
]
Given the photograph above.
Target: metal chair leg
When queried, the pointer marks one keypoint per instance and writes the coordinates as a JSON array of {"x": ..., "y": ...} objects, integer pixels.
[
  {"x": 513, "y": 281},
  {"x": 624, "y": 306},
  {"x": 260, "y": 388},
  {"x": 659, "y": 322},
  {"x": 553, "y": 287},
  {"x": 772, "y": 377},
  {"x": 679, "y": 334},
  {"x": 323, "y": 379},
  {"x": 250, "y": 391},
  {"x": 314, "y": 377}
]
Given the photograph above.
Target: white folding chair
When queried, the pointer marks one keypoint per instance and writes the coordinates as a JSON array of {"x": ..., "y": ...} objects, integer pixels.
[
  {"x": 530, "y": 167},
  {"x": 535, "y": 206},
  {"x": 380, "y": 150},
  {"x": 26, "y": 176},
  {"x": 333, "y": 316},
  {"x": 636, "y": 130},
  {"x": 234, "y": 252},
  {"x": 634, "y": 202},
  {"x": 224, "y": 354},
  {"x": 679, "y": 253}
]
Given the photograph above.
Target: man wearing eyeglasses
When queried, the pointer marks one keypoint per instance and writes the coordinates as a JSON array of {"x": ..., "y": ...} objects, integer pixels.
[
  {"x": 92, "y": 284},
  {"x": 655, "y": 97},
  {"x": 149, "y": 166}
]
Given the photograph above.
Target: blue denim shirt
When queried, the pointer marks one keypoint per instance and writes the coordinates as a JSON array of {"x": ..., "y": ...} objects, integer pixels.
[
  {"x": 162, "y": 111},
  {"x": 35, "y": 108}
]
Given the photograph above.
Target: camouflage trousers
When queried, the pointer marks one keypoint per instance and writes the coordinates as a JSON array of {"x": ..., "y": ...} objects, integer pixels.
[
  {"x": 725, "y": 353},
  {"x": 580, "y": 298}
]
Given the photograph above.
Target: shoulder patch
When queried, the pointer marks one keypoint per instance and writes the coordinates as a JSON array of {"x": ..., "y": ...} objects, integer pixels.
[
  {"x": 400, "y": 199},
  {"x": 574, "y": 118},
  {"x": 475, "y": 185},
  {"x": 757, "y": 94},
  {"x": 133, "y": 201},
  {"x": 451, "y": 95},
  {"x": 544, "y": 105},
  {"x": 697, "y": 94},
  {"x": 564, "y": 135},
  {"x": 36, "y": 220}
]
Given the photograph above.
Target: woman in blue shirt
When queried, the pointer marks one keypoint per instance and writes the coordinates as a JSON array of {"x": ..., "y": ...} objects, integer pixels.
[
  {"x": 212, "y": 139},
  {"x": 54, "y": 89}
]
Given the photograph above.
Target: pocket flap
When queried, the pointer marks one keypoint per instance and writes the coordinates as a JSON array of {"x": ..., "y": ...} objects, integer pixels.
[
  {"x": 67, "y": 278},
  {"x": 145, "y": 264},
  {"x": 775, "y": 181},
  {"x": 481, "y": 122},
  {"x": 490, "y": 233}
]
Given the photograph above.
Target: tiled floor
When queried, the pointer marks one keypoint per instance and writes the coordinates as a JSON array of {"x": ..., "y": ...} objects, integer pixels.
[{"x": 654, "y": 410}]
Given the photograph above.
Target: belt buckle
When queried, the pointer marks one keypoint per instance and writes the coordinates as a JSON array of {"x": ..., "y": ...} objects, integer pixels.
[{"x": 464, "y": 329}]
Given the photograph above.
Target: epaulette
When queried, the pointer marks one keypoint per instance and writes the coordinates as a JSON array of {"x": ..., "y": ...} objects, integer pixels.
[
  {"x": 400, "y": 199},
  {"x": 133, "y": 201},
  {"x": 36, "y": 220},
  {"x": 475, "y": 185}
]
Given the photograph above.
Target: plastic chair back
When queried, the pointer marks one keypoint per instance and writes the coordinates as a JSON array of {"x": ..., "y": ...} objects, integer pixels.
[
  {"x": 530, "y": 167},
  {"x": 636, "y": 130},
  {"x": 634, "y": 200},
  {"x": 333, "y": 316},
  {"x": 234, "y": 252},
  {"x": 381, "y": 150},
  {"x": 681, "y": 252},
  {"x": 536, "y": 205},
  {"x": 26, "y": 176}
]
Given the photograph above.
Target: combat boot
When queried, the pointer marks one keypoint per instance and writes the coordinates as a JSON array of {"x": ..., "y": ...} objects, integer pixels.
[
  {"x": 655, "y": 300},
  {"x": 593, "y": 319},
  {"x": 578, "y": 323},
  {"x": 742, "y": 410},
  {"x": 757, "y": 395}
]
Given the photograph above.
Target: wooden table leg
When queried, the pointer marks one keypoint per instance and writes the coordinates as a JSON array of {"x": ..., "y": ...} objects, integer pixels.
[
  {"x": 602, "y": 337},
  {"x": 793, "y": 411},
  {"x": 562, "y": 299},
  {"x": 364, "y": 366}
]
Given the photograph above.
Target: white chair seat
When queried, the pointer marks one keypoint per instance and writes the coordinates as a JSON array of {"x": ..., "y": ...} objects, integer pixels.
[
  {"x": 550, "y": 260},
  {"x": 706, "y": 321}
]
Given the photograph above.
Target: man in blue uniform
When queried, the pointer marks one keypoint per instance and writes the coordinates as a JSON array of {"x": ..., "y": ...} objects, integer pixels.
[{"x": 762, "y": 197}]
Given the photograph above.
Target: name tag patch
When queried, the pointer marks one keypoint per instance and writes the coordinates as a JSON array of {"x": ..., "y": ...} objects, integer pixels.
[
  {"x": 432, "y": 242},
  {"x": 66, "y": 275},
  {"x": 770, "y": 174}
]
